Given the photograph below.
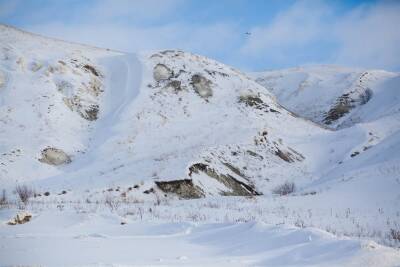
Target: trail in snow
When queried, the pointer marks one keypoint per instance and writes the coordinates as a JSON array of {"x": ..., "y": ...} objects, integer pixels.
[{"x": 122, "y": 85}]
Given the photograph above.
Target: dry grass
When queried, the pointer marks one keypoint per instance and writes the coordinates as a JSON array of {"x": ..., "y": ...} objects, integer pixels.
[
  {"x": 284, "y": 189},
  {"x": 24, "y": 193}
]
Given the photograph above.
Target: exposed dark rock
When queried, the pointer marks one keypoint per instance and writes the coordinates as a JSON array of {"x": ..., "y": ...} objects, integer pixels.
[
  {"x": 91, "y": 69},
  {"x": 237, "y": 188},
  {"x": 342, "y": 106},
  {"x": 183, "y": 188},
  {"x": 148, "y": 191},
  {"x": 286, "y": 156},
  {"x": 176, "y": 85},
  {"x": 254, "y": 154},
  {"x": 202, "y": 86},
  {"x": 213, "y": 73},
  {"x": 91, "y": 112},
  {"x": 346, "y": 102},
  {"x": 253, "y": 101}
]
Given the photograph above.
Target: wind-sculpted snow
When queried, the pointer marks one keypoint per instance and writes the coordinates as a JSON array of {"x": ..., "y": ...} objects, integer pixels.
[{"x": 82, "y": 236}]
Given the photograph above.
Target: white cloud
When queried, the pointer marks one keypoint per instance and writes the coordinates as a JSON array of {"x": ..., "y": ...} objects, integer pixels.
[
  {"x": 206, "y": 39},
  {"x": 134, "y": 10},
  {"x": 365, "y": 37},
  {"x": 301, "y": 24},
  {"x": 306, "y": 32},
  {"x": 138, "y": 25},
  {"x": 370, "y": 37}
]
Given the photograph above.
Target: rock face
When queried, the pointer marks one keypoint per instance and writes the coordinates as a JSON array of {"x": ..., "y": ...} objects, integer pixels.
[
  {"x": 346, "y": 102},
  {"x": 161, "y": 72},
  {"x": 202, "y": 86},
  {"x": 176, "y": 85},
  {"x": 2, "y": 79},
  {"x": 20, "y": 218},
  {"x": 237, "y": 188},
  {"x": 85, "y": 110},
  {"x": 54, "y": 156},
  {"x": 183, "y": 188},
  {"x": 254, "y": 101}
]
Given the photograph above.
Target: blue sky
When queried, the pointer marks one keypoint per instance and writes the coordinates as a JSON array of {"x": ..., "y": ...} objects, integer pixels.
[{"x": 283, "y": 33}]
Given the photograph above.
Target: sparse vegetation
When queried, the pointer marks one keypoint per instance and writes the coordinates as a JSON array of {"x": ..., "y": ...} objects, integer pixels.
[
  {"x": 3, "y": 198},
  {"x": 24, "y": 193},
  {"x": 112, "y": 202},
  {"x": 395, "y": 235},
  {"x": 284, "y": 189}
]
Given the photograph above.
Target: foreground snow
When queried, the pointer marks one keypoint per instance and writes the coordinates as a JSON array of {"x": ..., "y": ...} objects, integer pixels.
[{"x": 70, "y": 238}]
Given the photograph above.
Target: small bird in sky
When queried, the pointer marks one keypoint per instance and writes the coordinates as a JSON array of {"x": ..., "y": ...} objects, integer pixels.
[{"x": 247, "y": 33}]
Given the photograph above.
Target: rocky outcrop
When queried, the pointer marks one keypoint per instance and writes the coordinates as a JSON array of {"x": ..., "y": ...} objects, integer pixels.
[
  {"x": 20, "y": 218},
  {"x": 2, "y": 79},
  {"x": 348, "y": 101},
  {"x": 342, "y": 106},
  {"x": 256, "y": 101},
  {"x": 87, "y": 111},
  {"x": 202, "y": 86},
  {"x": 162, "y": 72},
  {"x": 236, "y": 187},
  {"x": 175, "y": 84},
  {"x": 54, "y": 156},
  {"x": 183, "y": 188},
  {"x": 285, "y": 153}
]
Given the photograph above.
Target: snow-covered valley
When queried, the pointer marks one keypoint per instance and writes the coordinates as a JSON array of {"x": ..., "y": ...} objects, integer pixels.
[{"x": 169, "y": 158}]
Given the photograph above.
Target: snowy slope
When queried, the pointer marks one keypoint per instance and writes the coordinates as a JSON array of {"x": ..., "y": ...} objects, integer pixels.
[
  {"x": 362, "y": 155},
  {"x": 366, "y": 120}
]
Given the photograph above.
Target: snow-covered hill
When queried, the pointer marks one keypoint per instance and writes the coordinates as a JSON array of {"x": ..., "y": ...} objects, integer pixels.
[
  {"x": 128, "y": 119},
  {"x": 362, "y": 106},
  {"x": 80, "y": 124},
  {"x": 334, "y": 96}
]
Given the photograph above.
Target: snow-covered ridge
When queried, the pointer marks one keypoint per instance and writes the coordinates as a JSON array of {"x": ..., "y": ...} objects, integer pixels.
[{"x": 334, "y": 96}]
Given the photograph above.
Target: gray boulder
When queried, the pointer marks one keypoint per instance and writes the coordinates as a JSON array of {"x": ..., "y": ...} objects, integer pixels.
[
  {"x": 54, "y": 156},
  {"x": 202, "y": 86},
  {"x": 161, "y": 72}
]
